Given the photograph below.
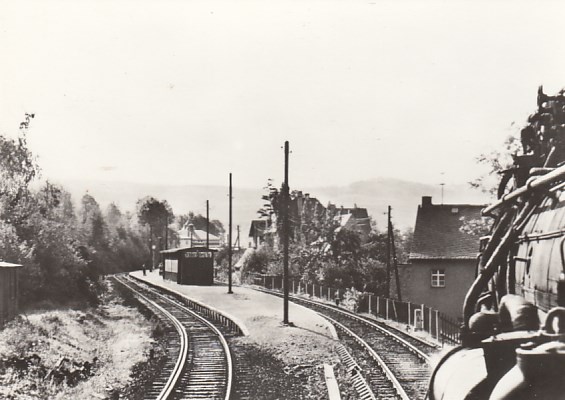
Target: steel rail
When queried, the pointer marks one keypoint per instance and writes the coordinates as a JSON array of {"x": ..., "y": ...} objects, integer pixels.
[
  {"x": 352, "y": 315},
  {"x": 382, "y": 364},
  {"x": 402, "y": 341},
  {"x": 221, "y": 337},
  {"x": 183, "y": 353}
]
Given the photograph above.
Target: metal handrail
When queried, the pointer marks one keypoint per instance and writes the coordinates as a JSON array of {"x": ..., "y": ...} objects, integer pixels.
[{"x": 545, "y": 180}]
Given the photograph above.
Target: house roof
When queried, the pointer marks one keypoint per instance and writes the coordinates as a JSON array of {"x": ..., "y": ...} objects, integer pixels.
[
  {"x": 438, "y": 233},
  {"x": 197, "y": 234},
  {"x": 258, "y": 226},
  {"x": 357, "y": 212}
]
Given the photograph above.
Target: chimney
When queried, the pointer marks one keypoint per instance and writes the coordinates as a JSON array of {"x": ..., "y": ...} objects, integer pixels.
[
  {"x": 426, "y": 201},
  {"x": 307, "y": 195}
]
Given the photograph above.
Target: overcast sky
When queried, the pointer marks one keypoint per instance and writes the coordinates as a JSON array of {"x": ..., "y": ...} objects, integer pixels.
[{"x": 188, "y": 91}]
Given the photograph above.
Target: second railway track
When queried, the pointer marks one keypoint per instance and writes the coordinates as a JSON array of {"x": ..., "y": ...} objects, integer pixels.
[
  {"x": 200, "y": 363},
  {"x": 397, "y": 366}
]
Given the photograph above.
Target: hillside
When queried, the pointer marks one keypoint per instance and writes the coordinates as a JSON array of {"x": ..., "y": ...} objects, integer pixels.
[
  {"x": 375, "y": 195},
  {"x": 403, "y": 196}
]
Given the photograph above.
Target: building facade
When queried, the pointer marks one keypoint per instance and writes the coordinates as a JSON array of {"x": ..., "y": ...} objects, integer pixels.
[
  {"x": 190, "y": 237},
  {"x": 443, "y": 258}
]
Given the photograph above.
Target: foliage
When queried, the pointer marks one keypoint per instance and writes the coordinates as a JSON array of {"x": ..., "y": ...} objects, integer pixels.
[
  {"x": 64, "y": 251},
  {"x": 154, "y": 213},
  {"x": 258, "y": 261},
  {"x": 476, "y": 226},
  {"x": 17, "y": 169},
  {"x": 496, "y": 162},
  {"x": 351, "y": 299}
]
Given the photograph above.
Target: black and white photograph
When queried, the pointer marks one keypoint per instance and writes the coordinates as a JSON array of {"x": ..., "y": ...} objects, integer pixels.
[{"x": 279, "y": 200}]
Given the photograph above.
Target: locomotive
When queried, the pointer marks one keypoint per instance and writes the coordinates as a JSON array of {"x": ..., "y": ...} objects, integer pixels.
[{"x": 513, "y": 329}]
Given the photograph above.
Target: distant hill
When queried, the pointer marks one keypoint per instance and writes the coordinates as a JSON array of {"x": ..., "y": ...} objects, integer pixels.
[
  {"x": 403, "y": 196},
  {"x": 375, "y": 195}
]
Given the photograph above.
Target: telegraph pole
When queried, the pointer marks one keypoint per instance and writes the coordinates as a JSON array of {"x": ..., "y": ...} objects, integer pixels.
[
  {"x": 388, "y": 257},
  {"x": 394, "y": 260},
  {"x": 207, "y": 224},
  {"x": 229, "y": 244},
  {"x": 167, "y": 232},
  {"x": 285, "y": 234}
]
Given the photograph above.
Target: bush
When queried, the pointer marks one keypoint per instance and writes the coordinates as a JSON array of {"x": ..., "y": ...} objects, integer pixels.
[{"x": 351, "y": 299}]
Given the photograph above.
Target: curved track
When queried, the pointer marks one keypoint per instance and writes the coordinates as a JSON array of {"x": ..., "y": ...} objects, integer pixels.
[
  {"x": 395, "y": 365},
  {"x": 199, "y": 364}
]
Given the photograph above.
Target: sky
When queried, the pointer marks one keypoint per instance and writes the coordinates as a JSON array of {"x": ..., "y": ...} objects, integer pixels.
[{"x": 184, "y": 92}]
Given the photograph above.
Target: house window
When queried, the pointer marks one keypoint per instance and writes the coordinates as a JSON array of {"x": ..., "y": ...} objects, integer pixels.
[{"x": 438, "y": 278}]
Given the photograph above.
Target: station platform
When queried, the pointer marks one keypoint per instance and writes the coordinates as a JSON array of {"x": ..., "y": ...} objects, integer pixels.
[{"x": 260, "y": 317}]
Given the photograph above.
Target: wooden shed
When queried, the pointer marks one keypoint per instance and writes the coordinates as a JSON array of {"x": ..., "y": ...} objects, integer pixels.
[
  {"x": 189, "y": 265},
  {"x": 8, "y": 291}
]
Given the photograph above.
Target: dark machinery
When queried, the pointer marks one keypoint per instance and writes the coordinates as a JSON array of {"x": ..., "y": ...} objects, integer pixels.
[{"x": 513, "y": 333}]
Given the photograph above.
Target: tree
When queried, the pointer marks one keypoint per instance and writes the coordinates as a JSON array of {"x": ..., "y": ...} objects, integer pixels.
[
  {"x": 496, "y": 163},
  {"x": 17, "y": 170},
  {"x": 154, "y": 213},
  {"x": 92, "y": 223}
]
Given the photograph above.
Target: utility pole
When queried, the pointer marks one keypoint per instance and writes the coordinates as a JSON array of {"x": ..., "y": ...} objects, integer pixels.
[
  {"x": 285, "y": 234},
  {"x": 167, "y": 232},
  {"x": 207, "y": 224},
  {"x": 394, "y": 260},
  {"x": 387, "y": 290},
  {"x": 229, "y": 242}
]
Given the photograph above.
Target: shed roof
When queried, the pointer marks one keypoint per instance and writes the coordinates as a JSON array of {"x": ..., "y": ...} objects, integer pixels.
[
  {"x": 438, "y": 233},
  {"x": 8, "y": 265}
]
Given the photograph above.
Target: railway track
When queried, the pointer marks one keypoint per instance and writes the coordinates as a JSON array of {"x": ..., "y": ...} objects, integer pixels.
[
  {"x": 199, "y": 365},
  {"x": 395, "y": 365}
]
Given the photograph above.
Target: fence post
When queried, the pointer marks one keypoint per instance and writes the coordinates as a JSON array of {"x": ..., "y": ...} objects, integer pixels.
[
  {"x": 321, "y": 295},
  {"x": 430, "y": 324},
  {"x": 423, "y": 317},
  {"x": 313, "y": 290},
  {"x": 329, "y": 294},
  {"x": 387, "y": 308},
  {"x": 369, "y": 303},
  {"x": 437, "y": 325},
  {"x": 264, "y": 285},
  {"x": 409, "y": 314},
  {"x": 293, "y": 292},
  {"x": 272, "y": 282},
  {"x": 378, "y": 304}
]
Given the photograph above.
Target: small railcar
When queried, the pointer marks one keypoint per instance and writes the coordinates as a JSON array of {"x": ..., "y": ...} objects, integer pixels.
[{"x": 189, "y": 265}]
